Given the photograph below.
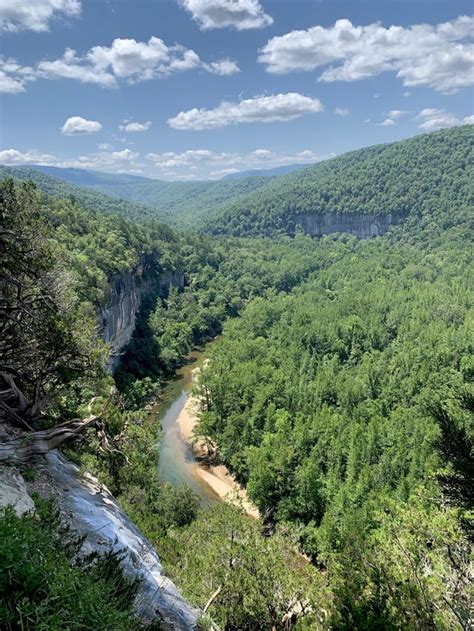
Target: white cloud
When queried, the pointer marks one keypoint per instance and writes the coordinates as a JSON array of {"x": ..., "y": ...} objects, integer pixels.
[
  {"x": 388, "y": 122},
  {"x": 224, "y": 67},
  {"x": 125, "y": 60},
  {"x": 13, "y": 77},
  {"x": 193, "y": 164},
  {"x": 205, "y": 164},
  {"x": 433, "y": 118},
  {"x": 261, "y": 109},
  {"x": 342, "y": 111},
  {"x": 34, "y": 15},
  {"x": 70, "y": 66},
  {"x": 14, "y": 157},
  {"x": 11, "y": 85},
  {"x": 393, "y": 117},
  {"x": 397, "y": 113},
  {"x": 239, "y": 14},
  {"x": 115, "y": 161},
  {"x": 76, "y": 126},
  {"x": 439, "y": 56},
  {"x": 130, "y": 127}
]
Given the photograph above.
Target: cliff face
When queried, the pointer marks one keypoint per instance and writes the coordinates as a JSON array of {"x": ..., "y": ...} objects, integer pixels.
[
  {"x": 361, "y": 225},
  {"x": 91, "y": 512},
  {"x": 118, "y": 318}
]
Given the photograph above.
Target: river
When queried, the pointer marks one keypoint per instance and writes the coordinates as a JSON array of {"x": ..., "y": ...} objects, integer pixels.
[{"x": 177, "y": 463}]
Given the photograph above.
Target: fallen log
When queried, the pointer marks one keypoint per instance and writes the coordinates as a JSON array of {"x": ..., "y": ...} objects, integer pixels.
[{"x": 20, "y": 450}]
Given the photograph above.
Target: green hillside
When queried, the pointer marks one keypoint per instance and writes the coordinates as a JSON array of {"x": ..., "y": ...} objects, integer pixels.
[
  {"x": 184, "y": 201},
  {"x": 411, "y": 177},
  {"x": 88, "y": 198}
]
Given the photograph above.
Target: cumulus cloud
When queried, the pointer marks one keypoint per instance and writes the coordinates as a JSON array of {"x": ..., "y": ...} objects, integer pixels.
[
  {"x": 34, "y": 15},
  {"x": 439, "y": 56},
  {"x": 193, "y": 164},
  {"x": 433, "y": 118},
  {"x": 239, "y": 14},
  {"x": 14, "y": 157},
  {"x": 13, "y": 76},
  {"x": 261, "y": 109},
  {"x": 342, "y": 111},
  {"x": 130, "y": 127},
  {"x": 11, "y": 85},
  {"x": 204, "y": 163},
  {"x": 77, "y": 126},
  {"x": 397, "y": 113},
  {"x": 124, "y": 60},
  {"x": 224, "y": 67},
  {"x": 393, "y": 117},
  {"x": 388, "y": 122},
  {"x": 115, "y": 161}
]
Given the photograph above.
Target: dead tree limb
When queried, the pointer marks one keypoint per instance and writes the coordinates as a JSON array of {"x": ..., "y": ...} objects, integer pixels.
[{"x": 20, "y": 450}]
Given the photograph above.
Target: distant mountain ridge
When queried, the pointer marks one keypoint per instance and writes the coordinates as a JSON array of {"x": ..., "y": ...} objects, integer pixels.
[
  {"x": 275, "y": 171},
  {"x": 87, "y": 177},
  {"x": 89, "y": 198},
  {"x": 181, "y": 202}
]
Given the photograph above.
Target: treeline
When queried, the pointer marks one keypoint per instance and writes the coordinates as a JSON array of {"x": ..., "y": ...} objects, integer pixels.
[{"x": 413, "y": 178}]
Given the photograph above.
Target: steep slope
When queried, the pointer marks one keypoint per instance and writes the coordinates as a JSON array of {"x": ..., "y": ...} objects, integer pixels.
[
  {"x": 376, "y": 187},
  {"x": 90, "y": 199}
]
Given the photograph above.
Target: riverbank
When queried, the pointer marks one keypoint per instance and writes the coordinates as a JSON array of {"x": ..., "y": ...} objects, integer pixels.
[{"x": 218, "y": 478}]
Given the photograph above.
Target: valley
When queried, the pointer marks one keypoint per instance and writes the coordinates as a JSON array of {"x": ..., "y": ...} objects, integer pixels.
[{"x": 327, "y": 313}]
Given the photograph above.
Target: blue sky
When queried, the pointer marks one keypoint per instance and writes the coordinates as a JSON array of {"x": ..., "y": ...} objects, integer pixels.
[{"x": 195, "y": 89}]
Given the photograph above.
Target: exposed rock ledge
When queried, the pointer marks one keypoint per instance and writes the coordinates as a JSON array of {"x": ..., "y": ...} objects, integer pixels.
[
  {"x": 92, "y": 512},
  {"x": 118, "y": 318},
  {"x": 360, "y": 224}
]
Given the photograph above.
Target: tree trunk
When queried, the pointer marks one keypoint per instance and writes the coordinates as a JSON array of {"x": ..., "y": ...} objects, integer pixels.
[{"x": 20, "y": 450}]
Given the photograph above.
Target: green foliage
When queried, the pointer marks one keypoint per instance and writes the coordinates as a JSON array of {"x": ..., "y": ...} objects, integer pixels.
[
  {"x": 257, "y": 582},
  {"x": 89, "y": 199},
  {"x": 413, "y": 572},
  {"x": 44, "y": 586},
  {"x": 47, "y": 341},
  {"x": 412, "y": 178},
  {"x": 320, "y": 400}
]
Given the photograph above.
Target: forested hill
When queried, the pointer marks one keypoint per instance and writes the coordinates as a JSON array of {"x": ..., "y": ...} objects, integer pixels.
[
  {"x": 183, "y": 201},
  {"x": 88, "y": 198},
  {"x": 413, "y": 177}
]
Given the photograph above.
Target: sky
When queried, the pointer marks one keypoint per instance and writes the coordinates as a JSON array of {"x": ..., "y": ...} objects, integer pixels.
[{"x": 198, "y": 89}]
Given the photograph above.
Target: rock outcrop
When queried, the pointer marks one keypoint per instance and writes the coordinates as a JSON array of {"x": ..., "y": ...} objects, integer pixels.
[
  {"x": 13, "y": 491},
  {"x": 91, "y": 512},
  {"x": 359, "y": 224},
  {"x": 118, "y": 317}
]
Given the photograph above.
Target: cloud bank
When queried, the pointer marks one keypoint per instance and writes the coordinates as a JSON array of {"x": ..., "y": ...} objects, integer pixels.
[
  {"x": 124, "y": 60},
  {"x": 441, "y": 56}
]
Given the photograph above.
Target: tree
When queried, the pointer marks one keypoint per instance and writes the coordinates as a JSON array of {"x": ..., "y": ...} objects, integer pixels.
[
  {"x": 244, "y": 580},
  {"x": 46, "y": 342}
]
